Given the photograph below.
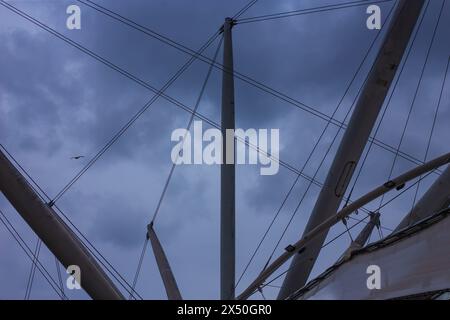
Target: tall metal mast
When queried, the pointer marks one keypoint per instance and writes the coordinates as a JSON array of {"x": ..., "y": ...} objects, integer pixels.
[
  {"x": 355, "y": 138},
  {"x": 55, "y": 234},
  {"x": 227, "y": 191}
]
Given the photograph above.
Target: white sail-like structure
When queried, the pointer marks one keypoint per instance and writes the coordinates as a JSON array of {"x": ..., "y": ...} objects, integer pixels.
[{"x": 413, "y": 262}]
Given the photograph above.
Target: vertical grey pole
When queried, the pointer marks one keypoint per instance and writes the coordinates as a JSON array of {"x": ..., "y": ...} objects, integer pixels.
[
  {"x": 355, "y": 138},
  {"x": 434, "y": 200},
  {"x": 56, "y": 235},
  {"x": 227, "y": 183}
]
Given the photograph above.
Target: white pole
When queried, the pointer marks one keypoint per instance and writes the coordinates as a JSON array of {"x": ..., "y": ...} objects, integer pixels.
[
  {"x": 355, "y": 138},
  {"x": 55, "y": 234},
  {"x": 434, "y": 200}
]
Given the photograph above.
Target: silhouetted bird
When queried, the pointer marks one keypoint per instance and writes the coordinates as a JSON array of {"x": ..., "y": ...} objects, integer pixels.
[{"x": 77, "y": 157}]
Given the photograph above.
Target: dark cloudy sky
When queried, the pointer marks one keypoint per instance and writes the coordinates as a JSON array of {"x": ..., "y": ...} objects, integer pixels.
[{"x": 56, "y": 102}]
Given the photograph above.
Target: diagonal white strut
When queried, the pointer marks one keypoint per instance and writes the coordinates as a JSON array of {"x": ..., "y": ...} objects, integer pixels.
[
  {"x": 170, "y": 284},
  {"x": 54, "y": 232},
  {"x": 364, "y": 235},
  {"x": 355, "y": 138},
  {"x": 434, "y": 200}
]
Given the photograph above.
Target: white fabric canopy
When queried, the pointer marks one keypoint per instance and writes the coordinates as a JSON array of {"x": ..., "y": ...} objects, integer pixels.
[{"x": 412, "y": 261}]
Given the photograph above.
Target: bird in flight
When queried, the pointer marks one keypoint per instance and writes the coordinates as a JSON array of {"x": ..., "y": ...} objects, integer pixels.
[{"x": 77, "y": 157}]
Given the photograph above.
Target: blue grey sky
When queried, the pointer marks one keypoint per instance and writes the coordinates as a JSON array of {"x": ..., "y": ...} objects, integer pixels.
[{"x": 56, "y": 102}]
